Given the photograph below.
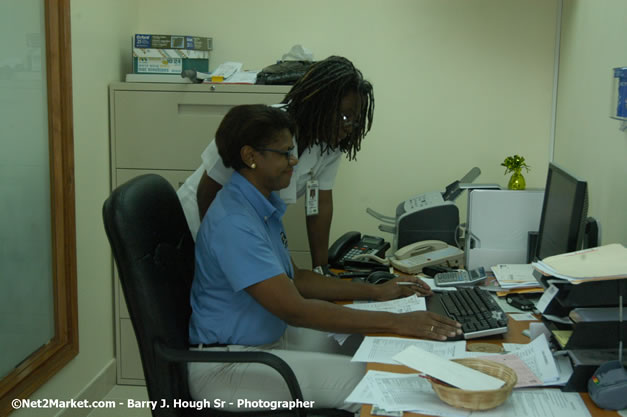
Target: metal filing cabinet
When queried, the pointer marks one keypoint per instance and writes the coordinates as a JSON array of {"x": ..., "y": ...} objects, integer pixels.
[{"x": 163, "y": 128}]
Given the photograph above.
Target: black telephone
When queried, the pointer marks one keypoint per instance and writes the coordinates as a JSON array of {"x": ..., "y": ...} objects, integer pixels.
[{"x": 351, "y": 244}]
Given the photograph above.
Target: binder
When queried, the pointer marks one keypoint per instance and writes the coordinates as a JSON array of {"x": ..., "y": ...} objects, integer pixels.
[{"x": 589, "y": 265}]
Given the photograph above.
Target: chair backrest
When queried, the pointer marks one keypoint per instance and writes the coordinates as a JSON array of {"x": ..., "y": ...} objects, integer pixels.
[{"x": 154, "y": 253}]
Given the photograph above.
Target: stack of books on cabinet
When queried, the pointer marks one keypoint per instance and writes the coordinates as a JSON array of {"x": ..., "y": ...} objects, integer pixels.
[
  {"x": 162, "y": 58},
  {"x": 588, "y": 289}
]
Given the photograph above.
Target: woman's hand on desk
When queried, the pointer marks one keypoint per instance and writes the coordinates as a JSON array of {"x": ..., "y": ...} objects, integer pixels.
[
  {"x": 403, "y": 286},
  {"x": 427, "y": 325}
]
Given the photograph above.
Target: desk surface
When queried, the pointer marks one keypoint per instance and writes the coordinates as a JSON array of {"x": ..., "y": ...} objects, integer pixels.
[{"x": 514, "y": 335}]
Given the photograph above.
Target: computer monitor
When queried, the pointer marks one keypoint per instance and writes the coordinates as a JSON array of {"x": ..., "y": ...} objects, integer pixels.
[{"x": 564, "y": 211}]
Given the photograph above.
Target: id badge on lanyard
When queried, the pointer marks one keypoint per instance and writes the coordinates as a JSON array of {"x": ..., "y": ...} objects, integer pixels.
[{"x": 311, "y": 200}]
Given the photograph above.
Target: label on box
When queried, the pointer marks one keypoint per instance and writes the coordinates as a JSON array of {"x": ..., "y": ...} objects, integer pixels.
[
  {"x": 170, "y": 53},
  {"x": 172, "y": 42},
  {"x": 159, "y": 65}
]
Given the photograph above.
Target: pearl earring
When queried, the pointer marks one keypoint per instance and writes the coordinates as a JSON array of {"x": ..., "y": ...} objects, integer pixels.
[{"x": 253, "y": 165}]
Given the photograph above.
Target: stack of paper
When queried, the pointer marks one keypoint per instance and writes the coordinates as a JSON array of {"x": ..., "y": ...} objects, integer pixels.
[
  {"x": 515, "y": 277},
  {"x": 230, "y": 73},
  {"x": 601, "y": 263},
  {"x": 382, "y": 349},
  {"x": 393, "y": 393},
  {"x": 537, "y": 357}
]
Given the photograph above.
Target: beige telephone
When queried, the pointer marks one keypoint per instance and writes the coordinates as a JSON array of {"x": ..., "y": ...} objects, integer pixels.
[{"x": 412, "y": 258}]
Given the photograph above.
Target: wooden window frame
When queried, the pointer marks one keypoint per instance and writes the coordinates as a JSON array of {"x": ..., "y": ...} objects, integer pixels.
[{"x": 45, "y": 362}]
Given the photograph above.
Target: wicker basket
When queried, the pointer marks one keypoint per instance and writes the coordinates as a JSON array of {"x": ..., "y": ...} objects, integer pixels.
[{"x": 478, "y": 400}]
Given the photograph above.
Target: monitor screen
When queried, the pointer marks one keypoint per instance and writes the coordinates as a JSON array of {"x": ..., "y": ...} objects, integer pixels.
[{"x": 564, "y": 212}]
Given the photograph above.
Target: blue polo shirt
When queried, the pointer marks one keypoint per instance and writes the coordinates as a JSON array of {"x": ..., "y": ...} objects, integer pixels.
[{"x": 241, "y": 242}]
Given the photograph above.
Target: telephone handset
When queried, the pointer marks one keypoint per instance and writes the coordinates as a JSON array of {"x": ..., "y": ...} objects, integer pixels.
[
  {"x": 352, "y": 244},
  {"x": 413, "y": 257},
  {"x": 419, "y": 247}
]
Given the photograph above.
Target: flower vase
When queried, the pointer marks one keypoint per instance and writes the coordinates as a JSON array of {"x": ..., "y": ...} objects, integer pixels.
[{"x": 517, "y": 181}]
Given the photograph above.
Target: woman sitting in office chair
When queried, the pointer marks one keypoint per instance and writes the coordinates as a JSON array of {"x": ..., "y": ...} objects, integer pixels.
[
  {"x": 247, "y": 293},
  {"x": 333, "y": 107}
]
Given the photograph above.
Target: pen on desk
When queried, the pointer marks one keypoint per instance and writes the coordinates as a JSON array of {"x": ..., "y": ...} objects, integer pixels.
[{"x": 409, "y": 283}]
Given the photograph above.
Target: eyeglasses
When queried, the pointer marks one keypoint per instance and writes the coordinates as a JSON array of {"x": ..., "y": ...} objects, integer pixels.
[
  {"x": 289, "y": 154},
  {"x": 348, "y": 121}
]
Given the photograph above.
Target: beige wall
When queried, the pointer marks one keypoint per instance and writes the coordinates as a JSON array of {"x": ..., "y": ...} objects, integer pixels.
[
  {"x": 458, "y": 83},
  {"x": 588, "y": 142}
]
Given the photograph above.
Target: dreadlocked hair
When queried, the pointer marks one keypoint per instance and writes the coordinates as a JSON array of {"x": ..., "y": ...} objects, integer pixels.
[{"x": 314, "y": 103}]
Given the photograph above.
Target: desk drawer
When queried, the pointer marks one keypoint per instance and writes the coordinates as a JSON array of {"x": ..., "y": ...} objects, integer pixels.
[{"x": 169, "y": 130}]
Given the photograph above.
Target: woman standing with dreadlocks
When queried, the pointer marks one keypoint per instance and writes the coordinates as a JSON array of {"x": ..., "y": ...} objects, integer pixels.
[{"x": 333, "y": 108}]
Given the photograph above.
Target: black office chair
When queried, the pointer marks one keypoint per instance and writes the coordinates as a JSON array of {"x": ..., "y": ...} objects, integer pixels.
[{"x": 154, "y": 253}]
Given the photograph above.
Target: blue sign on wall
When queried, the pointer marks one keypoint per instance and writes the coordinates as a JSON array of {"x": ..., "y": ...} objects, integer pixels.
[{"x": 621, "y": 105}]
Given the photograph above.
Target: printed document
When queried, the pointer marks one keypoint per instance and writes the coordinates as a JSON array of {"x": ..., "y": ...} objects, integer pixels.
[
  {"x": 448, "y": 371},
  {"x": 512, "y": 276},
  {"x": 538, "y": 357},
  {"x": 526, "y": 377},
  {"x": 539, "y": 403},
  {"x": 382, "y": 349},
  {"x": 564, "y": 368},
  {"x": 400, "y": 305},
  {"x": 404, "y": 392},
  {"x": 411, "y": 392},
  {"x": 562, "y": 363},
  {"x": 523, "y": 317}
]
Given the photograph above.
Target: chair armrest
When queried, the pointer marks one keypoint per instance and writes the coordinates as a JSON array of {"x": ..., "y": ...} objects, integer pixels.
[{"x": 273, "y": 361}]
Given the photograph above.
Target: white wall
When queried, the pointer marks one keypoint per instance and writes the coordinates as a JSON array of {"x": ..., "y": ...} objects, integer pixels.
[
  {"x": 589, "y": 143},
  {"x": 101, "y": 33},
  {"x": 457, "y": 83}
]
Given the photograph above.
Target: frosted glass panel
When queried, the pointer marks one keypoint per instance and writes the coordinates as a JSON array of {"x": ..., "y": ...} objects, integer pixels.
[{"x": 26, "y": 306}]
